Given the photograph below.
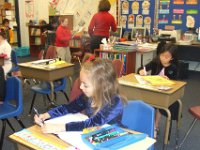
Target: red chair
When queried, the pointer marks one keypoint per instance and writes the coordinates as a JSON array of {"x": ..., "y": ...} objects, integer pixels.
[
  {"x": 75, "y": 91},
  {"x": 51, "y": 52},
  {"x": 195, "y": 112},
  {"x": 41, "y": 54},
  {"x": 118, "y": 65}
]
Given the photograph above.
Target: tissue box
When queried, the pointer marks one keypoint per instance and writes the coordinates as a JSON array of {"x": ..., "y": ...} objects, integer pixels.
[{"x": 106, "y": 46}]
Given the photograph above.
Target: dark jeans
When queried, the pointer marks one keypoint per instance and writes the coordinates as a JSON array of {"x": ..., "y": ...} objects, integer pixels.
[{"x": 95, "y": 42}]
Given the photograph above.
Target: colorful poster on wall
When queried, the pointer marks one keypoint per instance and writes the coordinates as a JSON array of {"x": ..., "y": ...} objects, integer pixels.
[
  {"x": 139, "y": 21},
  {"x": 163, "y": 19},
  {"x": 29, "y": 9},
  {"x": 182, "y": 13},
  {"x": 125, "y": 7},
  {"x": 131, "y": 19},
  {"x": 147, "y": 23},
  {"x": 52, "y": 7},
  {"x": 177, "y": 19},
  {"x": 123, "y": 21},
  {"x": 140, "y": 14},
  {"x": 192, "y": 2},
  {"x": 192, "y": 11},
  {"x": 190, "y": 21},
  {"x": 164, "y": 7},
  {"x": 145, "y": 7},
  {"x": 178, "y": 2},
  {"x": 135, "y": 7}
]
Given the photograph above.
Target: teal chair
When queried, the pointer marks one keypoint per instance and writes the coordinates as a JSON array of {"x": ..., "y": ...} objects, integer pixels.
[
  {"x": 12, "y": 106},
  {"x": 139, "y": 116}
]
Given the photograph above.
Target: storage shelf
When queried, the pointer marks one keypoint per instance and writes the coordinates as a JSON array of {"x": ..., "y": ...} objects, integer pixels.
[
  {"x": 128, "y": 58},
  {"x": 36, "y": 39}
]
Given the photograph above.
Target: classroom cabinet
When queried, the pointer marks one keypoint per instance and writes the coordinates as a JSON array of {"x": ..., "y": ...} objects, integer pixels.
[
  {"x": 36, "y": 38},
  {"x": 143, "y": 58},
  {"x": 127, "y": 57},
  {"x": 75, "y": 44}
]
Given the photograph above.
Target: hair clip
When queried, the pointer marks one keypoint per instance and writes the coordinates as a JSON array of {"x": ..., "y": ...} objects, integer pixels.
[{"x": 91, "y": 58}]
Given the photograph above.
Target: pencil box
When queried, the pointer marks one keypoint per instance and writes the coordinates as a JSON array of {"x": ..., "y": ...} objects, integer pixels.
[{"x": 111, "y": 137}]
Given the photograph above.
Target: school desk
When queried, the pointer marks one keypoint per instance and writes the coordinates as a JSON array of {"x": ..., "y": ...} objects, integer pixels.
[
  {"x": 47, "y": 73},
  {"x": 22, "y": 144},
  {"x": 157, "y": 98}
]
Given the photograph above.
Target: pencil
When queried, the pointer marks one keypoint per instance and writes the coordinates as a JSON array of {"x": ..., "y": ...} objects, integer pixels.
[{"x": 145, "y": 72}]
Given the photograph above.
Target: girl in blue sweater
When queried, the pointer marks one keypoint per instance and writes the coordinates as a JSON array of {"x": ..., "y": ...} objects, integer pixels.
[{"x": 101, "y": 100}]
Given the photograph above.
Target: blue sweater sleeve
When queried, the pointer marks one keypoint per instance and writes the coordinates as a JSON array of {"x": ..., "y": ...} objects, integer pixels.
[
  {"x": 76, "y": 106},
  {"x": 109, "y": 114}
]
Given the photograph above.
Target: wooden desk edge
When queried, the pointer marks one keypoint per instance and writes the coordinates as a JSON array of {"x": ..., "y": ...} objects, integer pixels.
[
  {"x": 36, "y": 128},
  {"x": 39, "y": 67},
  {"x": 32, "y": 146},
  {"x": 182, "y": 84}
]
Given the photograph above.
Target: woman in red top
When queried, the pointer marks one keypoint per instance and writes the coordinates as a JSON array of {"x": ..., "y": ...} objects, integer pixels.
[{"x": 100, "y": 25}]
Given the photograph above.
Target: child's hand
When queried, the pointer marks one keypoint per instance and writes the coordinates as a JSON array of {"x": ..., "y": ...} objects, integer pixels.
[
  {"x": 142, "y": 72},
  {"x": 39, "y": 119},
  {"x": 53, "y": 128}
]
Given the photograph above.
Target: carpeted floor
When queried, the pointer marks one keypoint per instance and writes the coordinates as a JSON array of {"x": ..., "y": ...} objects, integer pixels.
[{"x": 191, "y": 97}]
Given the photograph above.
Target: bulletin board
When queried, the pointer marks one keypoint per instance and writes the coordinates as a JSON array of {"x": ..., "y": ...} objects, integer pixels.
[
  {"x": 137, "y": 13},
  {"x": 83, "y": 10},
  {"x": 178, "y": 13}
]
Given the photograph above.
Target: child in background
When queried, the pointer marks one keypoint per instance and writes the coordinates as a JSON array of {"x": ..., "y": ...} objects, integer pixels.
[
  {"x": 9, "y": 34},
  {"x": 63, "y": 36},
  {"x": 166, "y": 65},
  {"x": 101, "y": 100},
  {"x": 5, "y": 49}
]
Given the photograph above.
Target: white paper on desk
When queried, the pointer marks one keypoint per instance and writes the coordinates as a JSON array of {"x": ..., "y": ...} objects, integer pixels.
[
  {"x": 148, "y": 45},
  {"x": 40, "y": 61},
  {"x": 74, "y": 138},
  {"x": 140, "y": 79},
  {"x": 68, "y": 118}
]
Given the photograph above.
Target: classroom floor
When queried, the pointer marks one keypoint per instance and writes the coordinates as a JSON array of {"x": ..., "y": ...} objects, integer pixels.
[{"x": 191, "y": 97}]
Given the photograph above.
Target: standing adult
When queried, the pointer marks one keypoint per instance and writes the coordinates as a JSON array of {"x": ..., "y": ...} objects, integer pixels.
[
  {"x": 100, "y": 25},
  {"x": 63, "y": 36}
]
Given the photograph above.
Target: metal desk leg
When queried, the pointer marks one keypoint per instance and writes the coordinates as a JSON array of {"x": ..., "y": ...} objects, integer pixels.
[
  {"x": 70, "y": 81},
  {"x": 167, "y": 125},
  {"x": 52, "y": 94},
  {"x": 178, "y": 121}
]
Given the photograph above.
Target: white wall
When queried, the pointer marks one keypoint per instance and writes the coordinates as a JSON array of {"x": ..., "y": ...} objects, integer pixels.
[{"x": 40, "y": 9}]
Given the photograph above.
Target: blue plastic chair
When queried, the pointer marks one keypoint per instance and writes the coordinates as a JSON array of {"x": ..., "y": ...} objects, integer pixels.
[
  {"x": 8, "y": 109},
  {"x": 139, "y": 116},
  {"x": 57, "y": 87},
  {"x": 15, "y": 62}
]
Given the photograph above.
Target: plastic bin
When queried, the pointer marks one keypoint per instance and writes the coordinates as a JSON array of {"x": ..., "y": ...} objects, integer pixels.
[{"x": 22, "y": 51}]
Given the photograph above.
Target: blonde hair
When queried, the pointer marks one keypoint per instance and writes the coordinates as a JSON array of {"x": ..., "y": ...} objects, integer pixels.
[{"x": 104, "y": 80}]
